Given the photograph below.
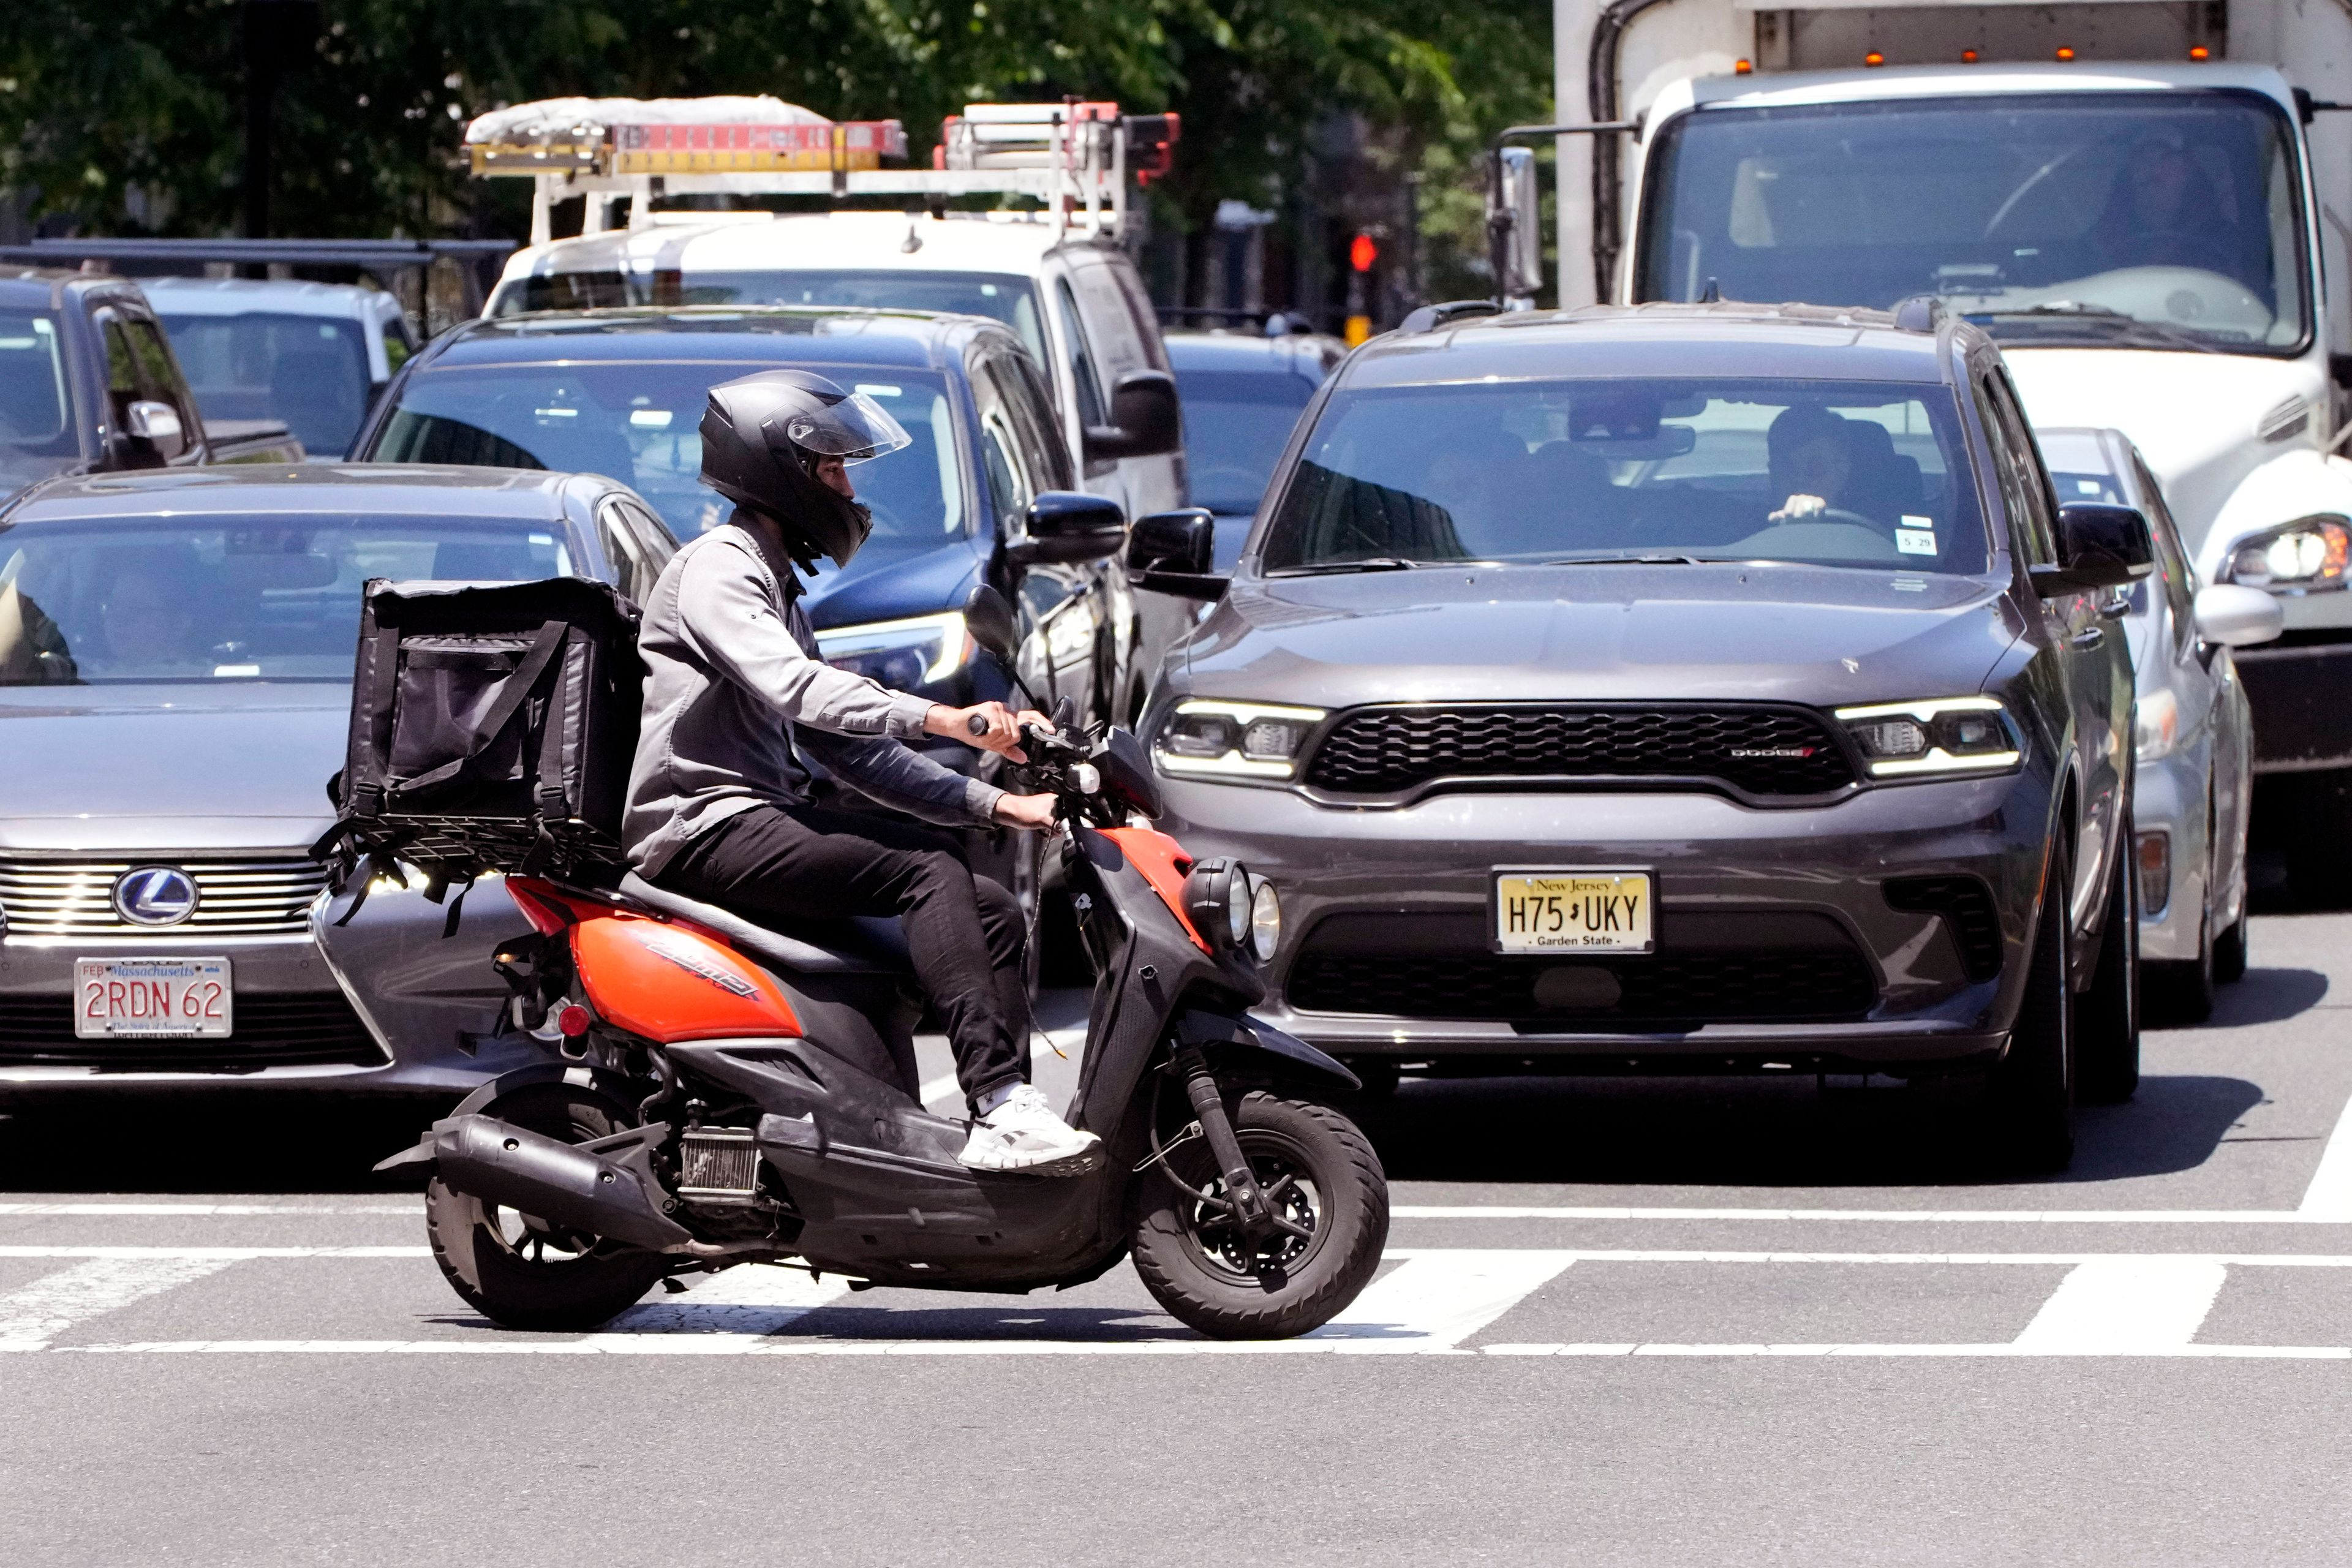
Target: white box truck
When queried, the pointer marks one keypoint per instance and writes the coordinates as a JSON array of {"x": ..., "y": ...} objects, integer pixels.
[{"x": 2147, "y": 205}]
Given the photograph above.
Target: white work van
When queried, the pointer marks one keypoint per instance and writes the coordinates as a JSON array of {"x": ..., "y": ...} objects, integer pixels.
[
  {"x": 1057, "y": 276},
  {"x": 2158, "y": 247}
]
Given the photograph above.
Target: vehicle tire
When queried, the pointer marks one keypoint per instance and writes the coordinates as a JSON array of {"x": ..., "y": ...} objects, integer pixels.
[
  {"x": 2181, "y": 993},
  {"x": 1324, "y": 1179},
  {"x": 520, "y": 1272},
  {"x": 2106, "y": 1016},
  {"x": 2031, "y": 1092},
  {"x": 2229, "y": 953}
]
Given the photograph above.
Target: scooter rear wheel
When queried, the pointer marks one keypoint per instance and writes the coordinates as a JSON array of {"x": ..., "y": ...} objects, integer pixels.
[
  {"x": 1324, "y": 1180},
  {"x": 520, "y": 1271}
]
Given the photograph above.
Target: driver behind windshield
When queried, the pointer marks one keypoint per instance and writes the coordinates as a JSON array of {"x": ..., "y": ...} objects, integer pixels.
[
  {"x": 1812, "y": 454},
  {"x": 719, "y": 806},
  {"x": 2162, "y": 210}
]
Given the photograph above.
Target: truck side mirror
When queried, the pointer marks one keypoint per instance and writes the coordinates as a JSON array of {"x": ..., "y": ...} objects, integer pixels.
[
  {"x": 1070, "y": 526},
  {"x": 2099, "y": 546},
  {"x": 2231, "y": 615},
  {"x": 1515, "y": 224},
  {"x": 1174, "y": 553},
  {"x": 157, "y": 425},
  {"x": 1144, "y": 418}
]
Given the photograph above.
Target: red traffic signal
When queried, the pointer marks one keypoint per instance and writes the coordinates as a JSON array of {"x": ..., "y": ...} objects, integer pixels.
[{"x": 1362, "y": 253}]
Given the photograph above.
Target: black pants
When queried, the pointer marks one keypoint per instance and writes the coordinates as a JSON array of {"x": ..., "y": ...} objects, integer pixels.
[{"x": 965, "y": 932}]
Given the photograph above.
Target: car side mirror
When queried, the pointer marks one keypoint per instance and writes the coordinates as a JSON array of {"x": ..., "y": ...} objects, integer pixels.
[
  {"x": 2099, "y": 546},
  {"x": 2231, "y": 615},
  {"x": 1174, "y": 553},
  {"x": 158, "y": 424},
  {"x": 1070, "y": 526},
  {"x": 990, "y": 621},
  {"x": 1144, "y": 418}
]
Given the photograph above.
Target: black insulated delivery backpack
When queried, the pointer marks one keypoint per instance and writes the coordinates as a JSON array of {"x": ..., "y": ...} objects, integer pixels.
[{"x": 492, "y": 729}]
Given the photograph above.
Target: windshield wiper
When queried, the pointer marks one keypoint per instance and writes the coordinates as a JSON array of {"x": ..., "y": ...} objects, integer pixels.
[
  {"x": 1368, "y": 563},
  {"x": 1662, "y": 560},
  {"x": 2100, "y": 316}
]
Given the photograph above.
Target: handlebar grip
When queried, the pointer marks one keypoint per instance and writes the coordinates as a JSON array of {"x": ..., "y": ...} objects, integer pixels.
[{"x": 976, "y": 724}]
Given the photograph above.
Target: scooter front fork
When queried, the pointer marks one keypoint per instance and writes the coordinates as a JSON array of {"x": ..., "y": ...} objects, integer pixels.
[{"x": 1250, "y": 1209}]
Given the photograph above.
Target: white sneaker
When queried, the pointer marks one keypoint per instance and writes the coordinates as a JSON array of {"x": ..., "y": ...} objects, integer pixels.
[{"x": 1023, "y": 1134}]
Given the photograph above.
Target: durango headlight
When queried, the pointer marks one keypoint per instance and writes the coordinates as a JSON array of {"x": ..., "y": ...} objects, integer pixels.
[
  {"x": 1933, "y": 739},
  {"x": 1234, "y": 740},
  {"x": 901, "y": 655},
  {"x": 2309, "y": 555},
  {"x": 2155, "y": 726}
]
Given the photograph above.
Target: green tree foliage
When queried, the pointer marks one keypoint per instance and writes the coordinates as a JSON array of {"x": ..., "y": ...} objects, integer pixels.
[{"x": 127, "y": 117}]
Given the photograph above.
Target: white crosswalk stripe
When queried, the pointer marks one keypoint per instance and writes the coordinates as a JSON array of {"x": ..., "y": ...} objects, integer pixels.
[
  {"x": 31, "y": 1315},
  {"x": 1430, "y": 1301}
]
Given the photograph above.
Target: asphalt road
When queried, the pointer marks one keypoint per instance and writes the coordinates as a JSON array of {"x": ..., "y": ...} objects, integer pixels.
[{"x": 1624, "y": 1321}]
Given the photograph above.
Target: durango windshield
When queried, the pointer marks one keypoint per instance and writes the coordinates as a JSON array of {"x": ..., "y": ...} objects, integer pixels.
[
  {"x": 109, "y": 602},
  {"x": 2131, "y": 220},
  {"x": 639, "y": 422},
  {"x": 37, "y": 437},
  {"x": 1861, "y": 474}
]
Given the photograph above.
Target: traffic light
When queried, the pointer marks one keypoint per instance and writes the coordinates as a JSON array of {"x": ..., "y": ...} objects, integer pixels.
[{"x": 1362, "y": 251}]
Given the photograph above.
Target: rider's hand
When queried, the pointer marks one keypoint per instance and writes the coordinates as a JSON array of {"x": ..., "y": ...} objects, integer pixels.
[
  {"x": 1799, "y": 507},
  {"x": 1025, "y": 810},
  {"x": 998, "y": 730}
]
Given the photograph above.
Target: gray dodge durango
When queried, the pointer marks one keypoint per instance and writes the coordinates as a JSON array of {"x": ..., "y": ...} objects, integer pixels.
[{"x": 1679, "y": 688}]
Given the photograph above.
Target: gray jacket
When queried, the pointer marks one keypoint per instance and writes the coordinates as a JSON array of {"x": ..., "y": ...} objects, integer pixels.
[{"x": 733, "y": 682}]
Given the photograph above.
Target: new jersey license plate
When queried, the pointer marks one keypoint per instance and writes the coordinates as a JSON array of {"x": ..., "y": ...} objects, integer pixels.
[
  {"x": 157, "y": 998},
  {"x": 1572, "y": 911}
]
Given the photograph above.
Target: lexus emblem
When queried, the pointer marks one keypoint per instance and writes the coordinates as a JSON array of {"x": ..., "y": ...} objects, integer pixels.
[{"x": 154, "y": 895}]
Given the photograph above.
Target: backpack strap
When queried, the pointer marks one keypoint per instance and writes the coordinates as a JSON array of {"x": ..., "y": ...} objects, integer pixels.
[
  {"x": 511, "y": 697},
  {"x": 364, "y": 784}
]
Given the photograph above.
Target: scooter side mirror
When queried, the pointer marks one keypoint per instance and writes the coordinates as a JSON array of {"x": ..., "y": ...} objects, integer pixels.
[{"x": 988, "y": 619}]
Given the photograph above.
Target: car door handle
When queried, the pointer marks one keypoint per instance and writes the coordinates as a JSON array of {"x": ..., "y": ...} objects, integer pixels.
[{"x": 2088, "y": 637}]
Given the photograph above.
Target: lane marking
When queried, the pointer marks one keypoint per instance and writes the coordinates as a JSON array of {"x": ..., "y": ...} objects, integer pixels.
[
  {"x": 740, "y": 1305},
  {"x": 1435, "y": 1299},
  {"x": 31, "y": 1315},
  {"x": 2328, "y": 1199},
  {"x": 1565, "y": 1256},
  {"x": 412, "y": 1208},
  {"x": 2124, "y": 1306},
  {"x": 2193, "y": 1353},
  {"x": 1879, "y": 1216}
]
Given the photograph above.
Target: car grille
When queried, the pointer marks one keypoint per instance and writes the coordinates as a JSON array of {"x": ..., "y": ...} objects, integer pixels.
[
  {"x": 1700, "y": 988},
  {"x": 315, "y": 1028},
  {"x": 1758, "y": 751},
  {"x": 233, "y": 897}
]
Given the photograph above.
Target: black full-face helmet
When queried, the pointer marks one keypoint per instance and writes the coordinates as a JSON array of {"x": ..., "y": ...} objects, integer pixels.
[{"x": 761, "y": 438}]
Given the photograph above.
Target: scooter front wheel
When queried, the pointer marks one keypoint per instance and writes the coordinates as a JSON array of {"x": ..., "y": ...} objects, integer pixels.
[
  {"x": 1330, "y": 1200},
  {"x": 520, "y": 1271}
]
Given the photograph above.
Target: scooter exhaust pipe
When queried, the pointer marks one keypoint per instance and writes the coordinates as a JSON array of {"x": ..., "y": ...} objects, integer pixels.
[{"x": 603, "y": 1187}]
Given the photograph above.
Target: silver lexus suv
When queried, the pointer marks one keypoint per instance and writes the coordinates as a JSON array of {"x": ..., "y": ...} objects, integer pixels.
[{"x": 1679, "y": 688}]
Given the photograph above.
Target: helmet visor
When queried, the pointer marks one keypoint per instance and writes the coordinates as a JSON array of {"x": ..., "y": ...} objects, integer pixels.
[{"x": 854, "y": 429}]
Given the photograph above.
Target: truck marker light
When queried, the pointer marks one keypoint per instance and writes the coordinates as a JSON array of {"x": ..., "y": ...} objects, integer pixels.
[
  {"x": 1968, "y": 56},
  {"x": 1741, "y": 68},
  {"x": 2064, "y": 54},
  {"x": 2200, "y": 52},
  {"x": 1874, "y": 59}
]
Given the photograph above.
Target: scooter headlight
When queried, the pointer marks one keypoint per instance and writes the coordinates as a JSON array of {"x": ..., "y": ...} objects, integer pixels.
[
  {"x": 1217, "y": 901},
  {"x": 1266, "y": 921}
]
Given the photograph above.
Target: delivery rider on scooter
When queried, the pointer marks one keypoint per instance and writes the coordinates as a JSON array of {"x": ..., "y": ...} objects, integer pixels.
[{"x": 720, "y": 806}]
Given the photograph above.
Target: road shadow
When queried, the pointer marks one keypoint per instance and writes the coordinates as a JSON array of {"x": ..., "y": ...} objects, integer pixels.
[
  {"x": 1769, "y": 1132},
  {"x": 2265, "y": 996},
  {"x": 272, "y": 1146}
]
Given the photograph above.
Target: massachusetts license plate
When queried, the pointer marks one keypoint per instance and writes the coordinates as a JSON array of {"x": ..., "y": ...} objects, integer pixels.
[
  {"x": 1572, "y": 911},
  {"x": 122, "y": 998}
]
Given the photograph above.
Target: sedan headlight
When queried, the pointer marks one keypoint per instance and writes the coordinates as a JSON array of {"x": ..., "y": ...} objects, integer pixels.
[
  {"x": 2306, "y": 556},
  {"x": 1234, "y": 740},
  {"x": 901, "y": 655},
  {"x": 1933, "y": 739}
]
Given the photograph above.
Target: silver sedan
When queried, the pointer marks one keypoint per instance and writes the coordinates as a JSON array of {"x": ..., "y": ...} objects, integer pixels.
[{"x": 2193, "y": 735}]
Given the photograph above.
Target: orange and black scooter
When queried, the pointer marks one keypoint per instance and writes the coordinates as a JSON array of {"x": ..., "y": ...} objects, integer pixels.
[{"x": 719, "y": 1092}]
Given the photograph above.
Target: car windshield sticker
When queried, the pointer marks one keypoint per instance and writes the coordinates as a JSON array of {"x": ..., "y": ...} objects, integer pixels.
[{"x": 1917, "y": 536}]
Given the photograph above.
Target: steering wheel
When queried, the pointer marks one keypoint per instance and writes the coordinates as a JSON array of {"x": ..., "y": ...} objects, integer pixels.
[{"x": 1837, "y": 514}]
